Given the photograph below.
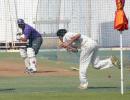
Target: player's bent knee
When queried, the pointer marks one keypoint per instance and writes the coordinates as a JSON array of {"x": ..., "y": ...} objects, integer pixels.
[
  {"x": 23, "y": 53},
  {"x": 30, "y": 52}
]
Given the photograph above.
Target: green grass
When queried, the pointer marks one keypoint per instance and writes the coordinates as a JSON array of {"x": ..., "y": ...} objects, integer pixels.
[
  {"x": 58, "y": 88},
  {"x": 101, "y": 87},
  {"x": 64, "y": 96}
]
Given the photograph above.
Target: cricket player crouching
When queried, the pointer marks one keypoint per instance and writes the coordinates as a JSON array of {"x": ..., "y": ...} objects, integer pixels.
[
  {"x": 34, "y": 39},
  {"x": 89, "y": 48}
]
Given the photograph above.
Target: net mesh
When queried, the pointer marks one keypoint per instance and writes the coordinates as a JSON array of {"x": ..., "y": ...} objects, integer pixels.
[{"x": 89, "y": 17}]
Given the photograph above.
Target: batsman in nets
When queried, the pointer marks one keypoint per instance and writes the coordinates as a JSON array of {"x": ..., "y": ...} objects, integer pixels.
[
  {"x": 89, "y": 47},
  {"x": 34, "y": 39}
]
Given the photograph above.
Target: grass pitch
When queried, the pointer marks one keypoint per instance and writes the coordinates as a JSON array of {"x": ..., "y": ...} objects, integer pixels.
[{"x": 103, "y": 84}]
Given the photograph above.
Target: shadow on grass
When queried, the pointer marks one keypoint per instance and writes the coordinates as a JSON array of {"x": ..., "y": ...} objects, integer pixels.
[
  {"x": 7, "y": 90},
  {"x": 46, "y": 71},
  {"x": 102, "y": 87}
]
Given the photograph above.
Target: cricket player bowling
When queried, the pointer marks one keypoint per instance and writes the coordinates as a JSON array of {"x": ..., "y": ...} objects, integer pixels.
[{"x": 89, "y": 48}]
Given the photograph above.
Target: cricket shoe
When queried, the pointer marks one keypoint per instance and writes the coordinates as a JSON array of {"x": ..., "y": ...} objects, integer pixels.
[
  {"x": 83, "y": 86},
  {"x": 26, "y": 70},
  {"x": 115, "y": 61},
  {"x": 30, "y": 70}
]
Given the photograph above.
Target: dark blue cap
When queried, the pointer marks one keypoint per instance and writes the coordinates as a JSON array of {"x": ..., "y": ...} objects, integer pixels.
[{"x": 20, "y": 21}]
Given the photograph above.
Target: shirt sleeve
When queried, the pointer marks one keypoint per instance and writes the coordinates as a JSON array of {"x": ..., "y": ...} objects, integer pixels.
[
  {"x": 68, "y": 36},
  {"x": 74, "y": 34},
  {"x": 27, "y": 32}
]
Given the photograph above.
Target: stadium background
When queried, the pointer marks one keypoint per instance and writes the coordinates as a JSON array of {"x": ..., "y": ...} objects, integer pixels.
[{"x": 89, "y": 17}]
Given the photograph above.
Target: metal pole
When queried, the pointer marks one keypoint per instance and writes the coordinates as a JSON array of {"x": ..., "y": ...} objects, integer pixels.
[
  {"x": 16, "y": 13},
  {"x": 36, "y": 19},
  {"x": 88, "y": 8},
  {"x": 121, "y": 58},
  {"x": 12, "y": 35}
]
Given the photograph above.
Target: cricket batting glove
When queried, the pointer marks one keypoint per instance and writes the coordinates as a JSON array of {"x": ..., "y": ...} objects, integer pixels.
[{"x": 18, "y": 35}]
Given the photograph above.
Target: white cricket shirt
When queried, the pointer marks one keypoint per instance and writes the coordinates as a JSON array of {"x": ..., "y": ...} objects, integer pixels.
[{"x": 83, "y": 41}]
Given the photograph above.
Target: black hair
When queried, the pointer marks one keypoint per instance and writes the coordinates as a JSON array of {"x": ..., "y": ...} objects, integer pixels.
[{"x": 61, "y": 32}]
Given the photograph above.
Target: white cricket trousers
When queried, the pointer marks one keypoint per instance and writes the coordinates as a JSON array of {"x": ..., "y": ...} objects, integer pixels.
[{"x": 89, "y": 55}]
